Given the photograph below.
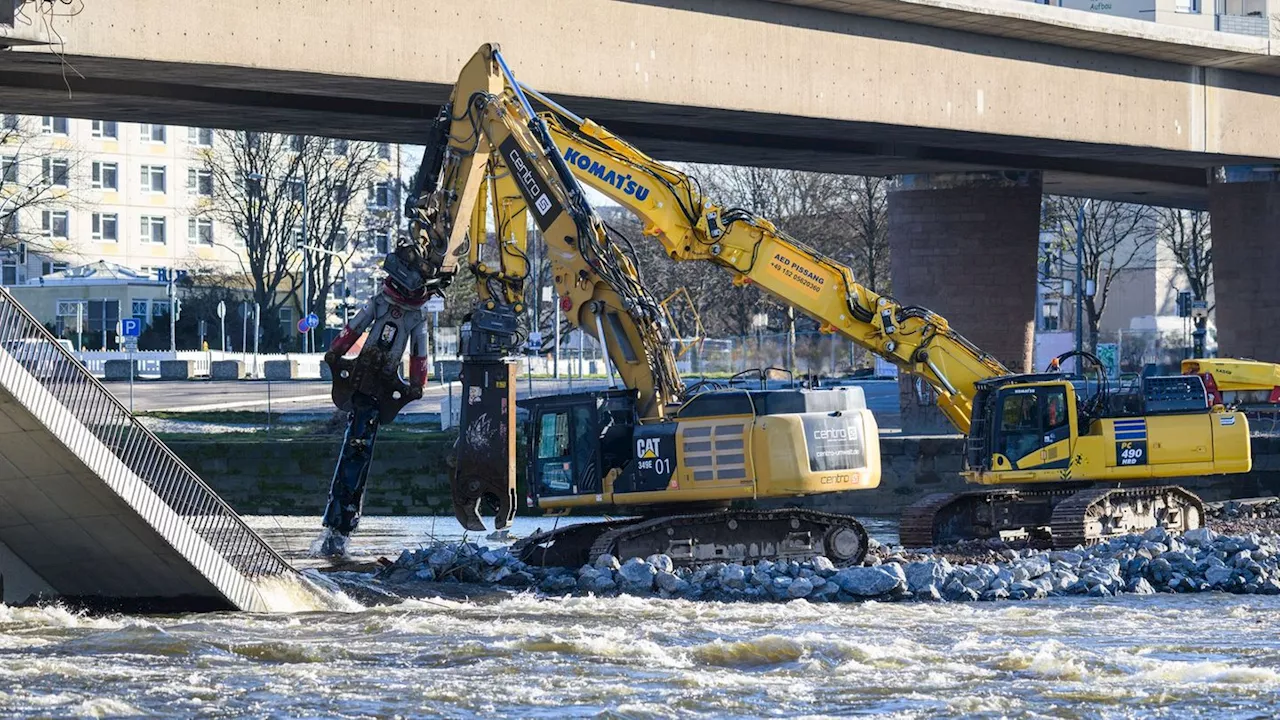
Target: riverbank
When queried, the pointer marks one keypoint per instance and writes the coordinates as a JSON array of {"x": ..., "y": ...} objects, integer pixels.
[{"x": 1154, "y": 562}]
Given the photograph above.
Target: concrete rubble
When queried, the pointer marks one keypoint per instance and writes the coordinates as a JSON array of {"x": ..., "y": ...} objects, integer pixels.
[{"x": 1156, "y": 561}]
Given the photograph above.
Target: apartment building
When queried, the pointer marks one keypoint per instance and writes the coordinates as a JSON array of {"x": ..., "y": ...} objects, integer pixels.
[{"x": 130, "y": 195}]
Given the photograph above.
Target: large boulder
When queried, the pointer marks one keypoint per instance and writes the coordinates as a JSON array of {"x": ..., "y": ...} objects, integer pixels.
[
  {"x": 637, "y": 575},
  {"x": 871, "y": 581}
]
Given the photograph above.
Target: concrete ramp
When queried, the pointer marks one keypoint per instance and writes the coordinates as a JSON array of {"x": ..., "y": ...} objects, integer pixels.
[{"x": 95, "y": 509}]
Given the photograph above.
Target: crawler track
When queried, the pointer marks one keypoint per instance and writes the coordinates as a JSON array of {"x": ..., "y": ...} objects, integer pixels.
[
  {"x": 740, "y": 536},
  {"x": 701, "y": 538},
  {"x": 1071, "y": 516},
  {"x": 1093, "y": 515}
]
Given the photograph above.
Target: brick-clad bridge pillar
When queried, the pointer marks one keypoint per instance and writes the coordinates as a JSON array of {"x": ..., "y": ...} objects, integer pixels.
[
  {"x": 964, "y": 245},
  {"x": 1244, "y": 208}
]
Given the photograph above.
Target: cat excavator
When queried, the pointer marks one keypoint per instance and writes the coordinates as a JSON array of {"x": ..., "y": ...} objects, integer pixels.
[{"x": 1069, "y": 455}]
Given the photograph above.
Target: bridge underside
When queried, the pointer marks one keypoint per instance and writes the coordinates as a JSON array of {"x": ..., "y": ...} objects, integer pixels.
[{"x": 398, "y": 111}]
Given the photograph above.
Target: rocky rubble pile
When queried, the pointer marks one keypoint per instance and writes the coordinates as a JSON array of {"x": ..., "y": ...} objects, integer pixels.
[
  {"x": 1200, "y": 560},
  {"x": 1255, "y": 509}
]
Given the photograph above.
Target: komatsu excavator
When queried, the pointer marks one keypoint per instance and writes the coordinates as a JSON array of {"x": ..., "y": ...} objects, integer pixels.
[
  {"x": 1074, "y": 457},
  {"x": 677, "y": 461}
]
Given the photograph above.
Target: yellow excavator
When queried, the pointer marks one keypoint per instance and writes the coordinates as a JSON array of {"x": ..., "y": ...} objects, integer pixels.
[
  {"x": 1250, "y": 386},
  {"x": 1050, "y": 432},
  {"x": 1071, "y": 455},
  {"x": 678, "y": 459}
]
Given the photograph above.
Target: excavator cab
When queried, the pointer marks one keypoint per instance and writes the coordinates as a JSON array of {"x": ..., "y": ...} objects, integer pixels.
[
  {"x": 575, "y": 439},
  {"x": 1034, "y": 425}
]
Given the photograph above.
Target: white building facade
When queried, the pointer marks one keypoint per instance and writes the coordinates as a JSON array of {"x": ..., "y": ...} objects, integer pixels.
[{"x": 129, "y": 194}]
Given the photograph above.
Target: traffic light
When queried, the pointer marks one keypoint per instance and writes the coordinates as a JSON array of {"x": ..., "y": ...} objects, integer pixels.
[
  {"x": 177, "y": 308},
  {"x": 1184, "y": 304}
]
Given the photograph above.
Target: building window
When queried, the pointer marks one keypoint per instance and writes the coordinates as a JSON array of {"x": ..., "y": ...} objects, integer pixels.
[
  {"x": 9, "y": 271},
  {"x": 1051, "y": 316},
  {"x": 338, "y": 146},
  {"x": 9, "y": 168},
  {"x": 106, "y": 227},
  {"x": 159, "y": 308},
  {"x": 384, "y": 151},
  {"x": 106, "y": 175},
  {"x": 48, "y": 267},
  {"x": 153, "y": 227},
  {"x": 54, "y": 171},
  {"x": 50, "y": 125},
  {"x": 1187, "y": 6},
  {"x": 153, "y": 178},
  {"x": 199, "y": 182},
  {"x": 380, "y": 195},
  {"x": 382, "y": 241},
  {"x": 340, "y": 193},
  {"x": 152, "y": 133},
  {"x": 297, "y": 190},
  {"x": 105, "y": 129},
  {"x": 53, "y": 223},
  {"x": 10, "y": 122},
  {"x": 200, "y": 230},
  {"x": 139, "y": 310},
  {"x": 11, "y": 223},
  {"x": 200, "y": 137},
  {"x": 297, "y": 142}
]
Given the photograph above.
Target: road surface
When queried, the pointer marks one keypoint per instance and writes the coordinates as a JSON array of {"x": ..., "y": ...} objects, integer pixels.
[{"x": 312, "y": 396}]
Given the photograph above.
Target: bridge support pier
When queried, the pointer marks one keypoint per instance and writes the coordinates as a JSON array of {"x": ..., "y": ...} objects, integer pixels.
[
  {"x": 1244, "y": 206},
  {"x": 965, "y": 245}
]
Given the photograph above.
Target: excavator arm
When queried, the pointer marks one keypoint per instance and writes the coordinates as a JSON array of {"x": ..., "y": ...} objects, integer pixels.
[
  {"x": 489, "y": 141},
  {"x": 691, "y": 227}
]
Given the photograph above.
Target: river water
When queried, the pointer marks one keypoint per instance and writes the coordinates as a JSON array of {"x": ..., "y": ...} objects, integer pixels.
[{"x": 1206, "y": 655}]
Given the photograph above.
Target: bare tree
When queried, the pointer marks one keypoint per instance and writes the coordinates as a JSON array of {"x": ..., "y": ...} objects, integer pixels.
[
  {"x": 862, "y": 205},
  {"x": 39, "y": 176},
  {"x": 265, "y": 187},
  {"x": 1189, "y": 238},
  {"x": 1118, "y": 237},
  {"x": 345, "y": 191}
]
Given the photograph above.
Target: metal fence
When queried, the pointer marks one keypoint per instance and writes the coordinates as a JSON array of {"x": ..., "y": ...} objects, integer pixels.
[{"x": 194, "y": 504}]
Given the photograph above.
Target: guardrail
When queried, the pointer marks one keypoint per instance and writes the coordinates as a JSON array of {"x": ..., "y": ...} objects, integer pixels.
[{"x": 193, "y": 506}]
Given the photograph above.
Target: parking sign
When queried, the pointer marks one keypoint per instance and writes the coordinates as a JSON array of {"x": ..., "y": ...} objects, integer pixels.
[{"x": 130, "y": 327}]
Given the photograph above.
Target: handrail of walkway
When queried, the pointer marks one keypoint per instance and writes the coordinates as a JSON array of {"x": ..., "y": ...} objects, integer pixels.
[{"x": 192, "y": 502}]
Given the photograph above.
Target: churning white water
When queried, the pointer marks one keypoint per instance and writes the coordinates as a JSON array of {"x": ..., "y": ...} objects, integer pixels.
[{"x": 1206, "y": 655}]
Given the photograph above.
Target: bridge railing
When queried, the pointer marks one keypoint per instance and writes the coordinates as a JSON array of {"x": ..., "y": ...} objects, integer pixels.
[{"x": 192, "y": 502}]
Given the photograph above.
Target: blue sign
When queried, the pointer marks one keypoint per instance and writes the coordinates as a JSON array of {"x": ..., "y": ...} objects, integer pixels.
[
  {"x": 302, "y": 325},
  {"x": 130, "y": 327},
  {"x": 313, "y": 321}
]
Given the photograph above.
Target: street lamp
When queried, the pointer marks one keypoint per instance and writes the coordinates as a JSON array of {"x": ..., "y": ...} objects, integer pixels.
[{"x": 342, "y": 263}]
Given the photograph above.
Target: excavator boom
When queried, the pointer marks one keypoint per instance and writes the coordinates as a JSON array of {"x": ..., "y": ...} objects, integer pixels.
[{"x": 691, "y": 227}]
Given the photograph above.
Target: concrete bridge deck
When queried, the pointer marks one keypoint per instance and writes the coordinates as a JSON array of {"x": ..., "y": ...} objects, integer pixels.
[
  {"x": 1106, "y": 107},
  {"x": 95, "y": 510}
]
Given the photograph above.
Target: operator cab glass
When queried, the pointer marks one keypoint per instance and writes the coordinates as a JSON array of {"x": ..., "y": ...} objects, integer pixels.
[
  {"x": 554, "y": 460},
  {"x": 1031, "y": 420}
]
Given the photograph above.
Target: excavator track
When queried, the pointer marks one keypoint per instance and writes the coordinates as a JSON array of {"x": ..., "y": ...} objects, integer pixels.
[
  {"x": 1096, "y": 514},
  {"x": 744, "y": 536},
  {"x": 1073, "y": 516},
  {"x": 946, "y": 518},
  {"x": 565, "y": 546}
]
